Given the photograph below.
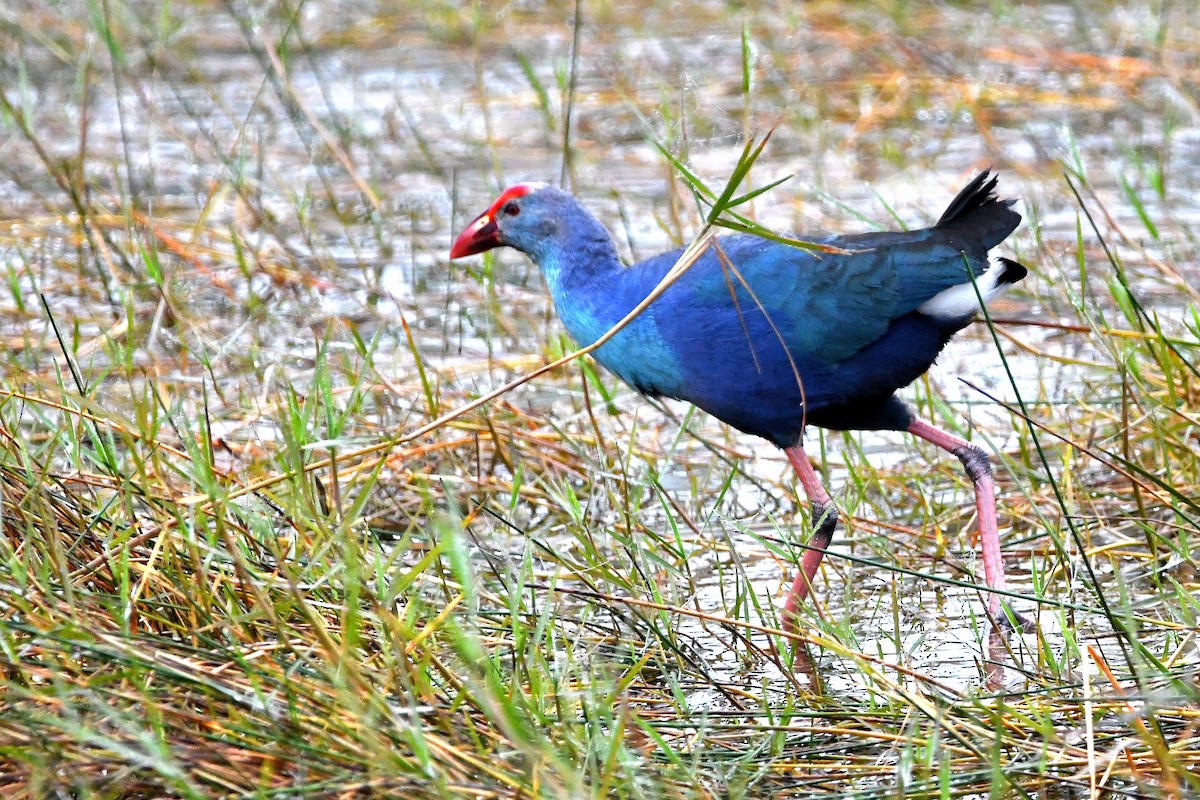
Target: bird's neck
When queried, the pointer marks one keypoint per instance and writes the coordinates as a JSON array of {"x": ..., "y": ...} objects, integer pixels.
[
  {"x": 593, "y": 290},
  {"x": 586, "y": 280},
  {"x": 583, "y": 258}
]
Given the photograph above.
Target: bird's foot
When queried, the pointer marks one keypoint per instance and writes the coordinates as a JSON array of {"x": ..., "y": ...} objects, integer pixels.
[
  {"x": 1009, "y": 622},
  {"x": 1006, "y": 622}
]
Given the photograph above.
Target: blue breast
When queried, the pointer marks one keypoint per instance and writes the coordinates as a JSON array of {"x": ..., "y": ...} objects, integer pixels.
[{"x": 640, "y": 353}]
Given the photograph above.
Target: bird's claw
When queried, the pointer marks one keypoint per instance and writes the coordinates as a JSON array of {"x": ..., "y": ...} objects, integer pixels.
[{"x": 1010, "y": 622}]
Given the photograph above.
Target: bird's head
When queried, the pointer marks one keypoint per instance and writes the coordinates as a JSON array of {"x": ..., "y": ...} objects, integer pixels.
[{"x": 530, "y": 217}]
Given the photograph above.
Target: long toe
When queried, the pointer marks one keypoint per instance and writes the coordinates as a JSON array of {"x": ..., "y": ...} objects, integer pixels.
[{"x": 1023, "y": 624}]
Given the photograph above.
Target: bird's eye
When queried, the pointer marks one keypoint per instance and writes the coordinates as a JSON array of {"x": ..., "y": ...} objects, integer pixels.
[{"x": 512, "y": 209}]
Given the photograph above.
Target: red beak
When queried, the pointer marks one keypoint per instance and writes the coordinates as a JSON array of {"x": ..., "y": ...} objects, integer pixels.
[{"x": 482, "y": 234}]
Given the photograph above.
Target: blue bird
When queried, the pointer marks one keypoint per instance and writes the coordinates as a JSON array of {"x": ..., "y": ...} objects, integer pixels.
[{"x": 771, "y": 338}]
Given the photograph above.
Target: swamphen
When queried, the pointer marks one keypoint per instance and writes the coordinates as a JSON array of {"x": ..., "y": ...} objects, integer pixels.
[{"x": 771, "y": 338}]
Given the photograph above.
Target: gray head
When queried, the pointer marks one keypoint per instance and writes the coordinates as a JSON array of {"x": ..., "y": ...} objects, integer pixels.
[{"x": 535, "y": 218}]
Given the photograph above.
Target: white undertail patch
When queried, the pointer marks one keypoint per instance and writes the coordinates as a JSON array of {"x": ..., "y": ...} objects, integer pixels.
[{"x": 961, "y": 300}]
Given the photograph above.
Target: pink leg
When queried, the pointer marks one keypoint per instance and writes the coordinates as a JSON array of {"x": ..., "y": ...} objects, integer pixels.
[
  {"x": 979, "y": 469},
  {"x": 824, "y": 517}
]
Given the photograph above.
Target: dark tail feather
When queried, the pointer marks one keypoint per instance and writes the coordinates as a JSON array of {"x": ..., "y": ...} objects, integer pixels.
[
  {"x": 978, "y": 215},
  {"x": 973, "y": 195},
  {"x": 1010, "y": 271}
]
